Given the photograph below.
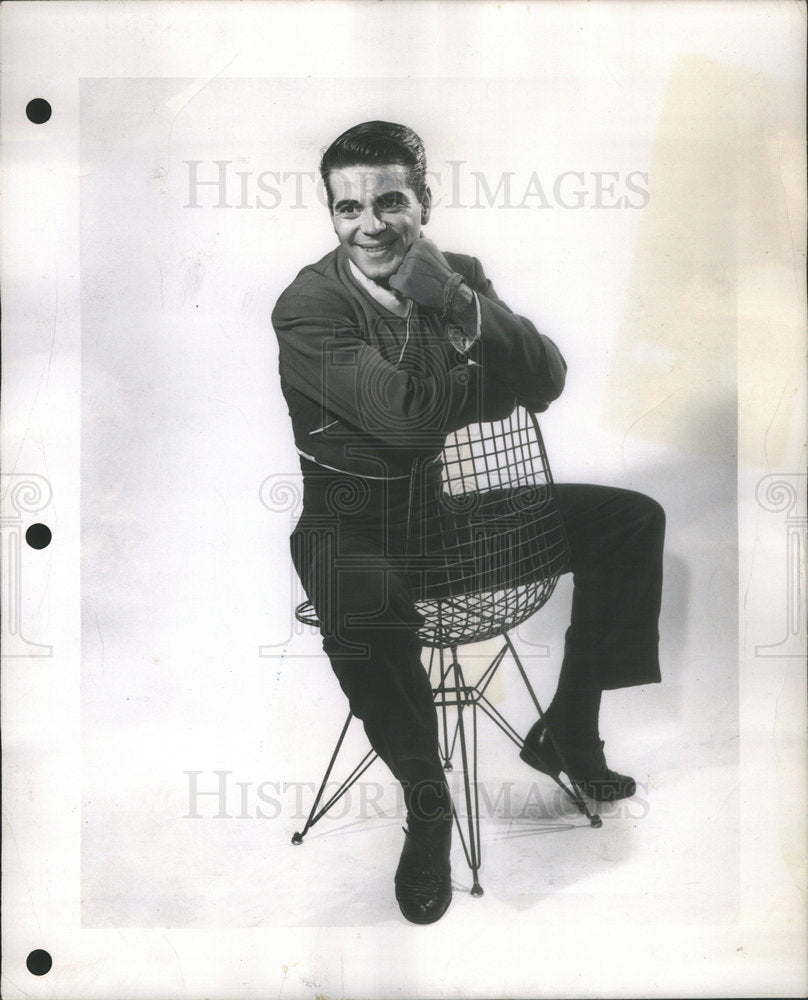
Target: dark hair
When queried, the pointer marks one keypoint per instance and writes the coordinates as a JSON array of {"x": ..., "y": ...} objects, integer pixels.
[{"x": 375, "y": 144}]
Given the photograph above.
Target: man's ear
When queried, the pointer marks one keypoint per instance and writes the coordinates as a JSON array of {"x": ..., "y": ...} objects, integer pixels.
[{"x": 426, "y": 206}]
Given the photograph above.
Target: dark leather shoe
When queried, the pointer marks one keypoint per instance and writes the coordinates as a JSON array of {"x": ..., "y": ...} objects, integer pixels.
[
  {"x": 586, "y": 767},
  {"x": 424, "y": 876}
]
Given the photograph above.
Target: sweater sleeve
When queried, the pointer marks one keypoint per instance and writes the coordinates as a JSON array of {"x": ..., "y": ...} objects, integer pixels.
[
  {"x": 323, "y": 358},
  {"x": 511, "y": 349}
]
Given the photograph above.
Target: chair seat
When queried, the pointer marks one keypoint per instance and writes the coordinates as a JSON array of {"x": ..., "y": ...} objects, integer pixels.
[
  {"x": 467, "y": 618},
  {"x": 482, "y": 615},
  {"x": 500, "y": 544}
]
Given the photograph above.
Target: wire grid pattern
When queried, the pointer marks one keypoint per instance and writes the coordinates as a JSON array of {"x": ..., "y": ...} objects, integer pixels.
[
  {"x": 502, "y": 544},
  {"x": 494, "y": 553}
]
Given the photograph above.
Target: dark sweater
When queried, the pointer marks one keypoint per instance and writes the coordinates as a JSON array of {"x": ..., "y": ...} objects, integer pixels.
[{"x": 369, "y": 391}]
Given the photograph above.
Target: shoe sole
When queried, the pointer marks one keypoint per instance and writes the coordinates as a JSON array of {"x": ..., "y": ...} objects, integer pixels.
[
  {"x": 540, "y": 764},
  {"x": 421, "y": 919}
]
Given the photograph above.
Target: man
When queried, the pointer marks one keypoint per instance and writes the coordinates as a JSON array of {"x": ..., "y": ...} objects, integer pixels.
[{"x": 387, "y": 345}]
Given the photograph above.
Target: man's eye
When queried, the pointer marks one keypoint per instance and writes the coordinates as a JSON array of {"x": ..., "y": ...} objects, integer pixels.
[
  {"x": 348, "y": 211},
  {"x": 391, "y": 204}
]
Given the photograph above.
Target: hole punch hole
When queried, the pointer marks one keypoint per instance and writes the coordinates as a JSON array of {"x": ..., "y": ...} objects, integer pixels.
[
  {"x": 38, "y": 111},
  {"x": 38, "y": 536},
  {"x": 39, "y": 962}
]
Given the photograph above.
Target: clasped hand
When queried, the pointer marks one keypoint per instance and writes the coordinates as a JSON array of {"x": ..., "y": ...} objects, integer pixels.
[{"x": 423, "y": 274}]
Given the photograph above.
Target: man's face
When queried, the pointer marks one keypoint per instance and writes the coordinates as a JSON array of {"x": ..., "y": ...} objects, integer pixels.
[{"x": 376, "y": 216}]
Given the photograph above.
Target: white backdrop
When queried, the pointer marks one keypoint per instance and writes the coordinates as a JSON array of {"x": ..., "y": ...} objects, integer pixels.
[{"x": 624, "y": 173}]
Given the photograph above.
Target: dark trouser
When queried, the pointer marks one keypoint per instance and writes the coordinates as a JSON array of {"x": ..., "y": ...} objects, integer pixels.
[{"x": 349, "y": 551}]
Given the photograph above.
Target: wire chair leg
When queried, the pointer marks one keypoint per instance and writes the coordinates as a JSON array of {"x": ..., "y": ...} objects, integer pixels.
[
  {"x": 315, "y": 815},
  {"x": 447, "y": 742},
  {"x": 471, "y": 848},
  {"x": 575, "y": 792}
]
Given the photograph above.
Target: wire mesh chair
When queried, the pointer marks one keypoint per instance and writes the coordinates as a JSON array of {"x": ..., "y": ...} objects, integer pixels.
[{"x": 486, "y": 549}]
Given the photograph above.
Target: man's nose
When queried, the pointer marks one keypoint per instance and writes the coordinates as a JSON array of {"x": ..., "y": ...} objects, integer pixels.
[{"x": 370, "y": 222}]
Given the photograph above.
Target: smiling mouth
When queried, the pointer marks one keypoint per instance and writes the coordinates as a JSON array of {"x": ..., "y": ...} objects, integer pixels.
[{"x": 376, "y": 248}]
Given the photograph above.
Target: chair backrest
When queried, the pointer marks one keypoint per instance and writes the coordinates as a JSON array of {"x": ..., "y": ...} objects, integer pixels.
[{"x": 502, "y": 544}]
